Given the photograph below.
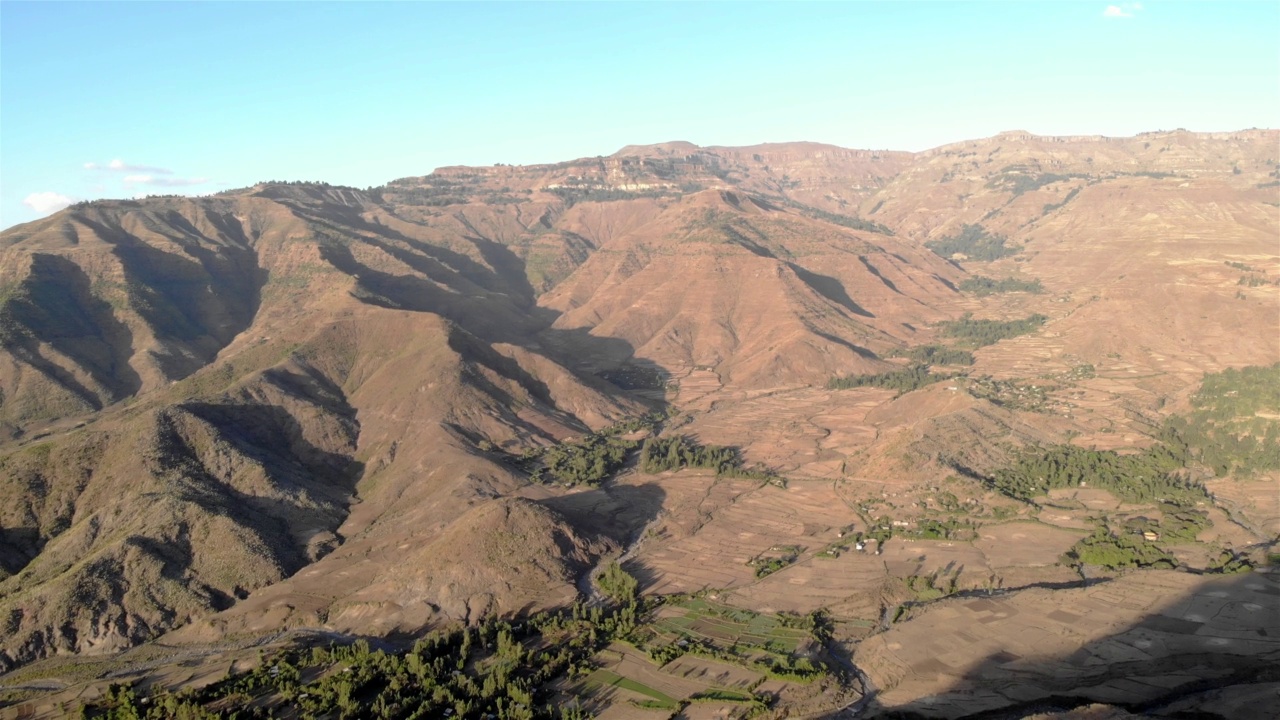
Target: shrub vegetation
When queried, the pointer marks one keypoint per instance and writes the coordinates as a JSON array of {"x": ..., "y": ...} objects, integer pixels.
[
  {"x": 904, "y": 381},
  {"x": 983, "y": 286},
  {"x": 975, "y": 243},
  {"x": 935, "y": 355},
  {"x": 1117, "y": 551},
  {"x": 980, "y": 333}
]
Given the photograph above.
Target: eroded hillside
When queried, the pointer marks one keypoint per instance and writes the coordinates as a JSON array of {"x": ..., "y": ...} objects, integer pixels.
[{"x": 313, "y": 407}]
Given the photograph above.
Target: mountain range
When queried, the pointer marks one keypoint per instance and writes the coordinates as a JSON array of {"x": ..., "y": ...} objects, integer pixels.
[{"x": 300, "y": 406}]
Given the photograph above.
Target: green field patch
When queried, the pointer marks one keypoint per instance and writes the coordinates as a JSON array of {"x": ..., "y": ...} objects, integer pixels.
[
  {"x": 722, "y": 695},
  {"x": 608, "y": 678},
  {"x": 696, "y": 604},
  {"x": 678, "y": 623},
  {"x": 716, "y": 631}
]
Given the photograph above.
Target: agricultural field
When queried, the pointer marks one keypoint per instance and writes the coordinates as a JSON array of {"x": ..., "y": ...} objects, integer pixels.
[
  {"x": 1069, "y": 642},
  {"x": 713, "y": 660}
]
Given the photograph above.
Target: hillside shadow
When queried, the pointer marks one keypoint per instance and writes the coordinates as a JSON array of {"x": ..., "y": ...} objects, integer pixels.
[
  {"x": 57, "y": 306},
  {"x": 831, "y": 289},
  {"x": 876, "y": 271},
  {"x": 1217, "y": 646},
  {"x": 617, "y": 512},
  {"x": 493, "y": 301},
  {"x": 491, "y": 317},
  {"x": 419, "y": 255},
  {"x": 507, "y": 266},
  {"x": 647, "y": 577},
  {"x": 202, "y": 297},
  {"x": 302, "y": 489},
  {"x": 19, "y": 545}
]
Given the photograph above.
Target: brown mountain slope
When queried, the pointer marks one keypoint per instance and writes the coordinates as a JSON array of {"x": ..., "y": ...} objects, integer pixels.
[
  {"x": 335, "y": 416},
  {"x": 295, "y": 404},
  {"x": 757, "y": 293}
]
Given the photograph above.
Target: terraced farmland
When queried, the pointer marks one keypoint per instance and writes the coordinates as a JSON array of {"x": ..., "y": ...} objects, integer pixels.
[{"x": 713, "y": 660}]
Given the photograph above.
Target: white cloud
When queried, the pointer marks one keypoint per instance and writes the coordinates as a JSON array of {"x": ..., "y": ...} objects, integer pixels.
[
  {"x": 144, "y": 175},
  {"x": 162, "y": 181},
  {"x": 119, "y": 165},
  {"x": 178, "y": 182},
  {"x": 47, "y": 202},
  {"x": 1124, "y": 10}
]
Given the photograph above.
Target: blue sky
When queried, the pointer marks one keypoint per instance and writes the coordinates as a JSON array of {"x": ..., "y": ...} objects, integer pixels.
[{"x": 121, "y": 99}]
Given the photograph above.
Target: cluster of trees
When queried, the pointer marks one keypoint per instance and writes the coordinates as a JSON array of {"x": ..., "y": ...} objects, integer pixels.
[
  {"x": 934, "y": 586},
  {"x": 1179, "y": 524},
  {"x": 1224, "y": 432},
  {"x": 618, "y": 584},
  {"x": 498, "y": 670},
  {"x": 1233, "y": 393},
  {"x": 1011, "y": 393},
  {"x": 434, "y": 192},
  {"x": 592, "y": 459},
  {"x": 975, "y": 243},
  {"x": 880, "y": 530},
  {"x": 1233, "y": 426},
  {"x": 904, "y": 381},
  {"x": 1254, "y": 281},
  {"x": 1242, "y": 450},
  {"x": 1050, "y": 207},
  {"x": 935, "y": 355},
  {"x": 678, "y": 451},
  {"x": 1018, "y": 182},
  {"x": 980, "y": 333},
  {"x": 1117, "y": 551},
  {"x": 769, "y": 566},
  {"x": 774, "y": 664},
  {"x": 848, "y": 221},
  {"x": 573, "y": 195},
  {"x": 1147, "y": 476},
  {"x": 947, "y": 528},
  {"x": 780, "y": 557},
  {"x": 1229, "y": 563},
  {"x": 316, "y": 183},
  {"x": 983, "y": 286},
  {"x": 586, "y": 462}
]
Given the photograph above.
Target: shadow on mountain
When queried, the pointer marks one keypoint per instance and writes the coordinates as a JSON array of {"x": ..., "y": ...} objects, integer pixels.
[
  {"x": 415, "y": 253},
  {"x": 509, "y": 268},
  {"x": 18, "y": 546},
  {"x": 831, "y": 289},
  {"x": 1213, "y": 653},
  {"x": 491, "y": 317},
  {"x": 647, "y": 577},
  {"x": 272, "y": 436},
  {"x": 861, "y": 351},
  {"x": 200, "y": 297},
  {"x": 876, "y": 271},
  {"x": 618, "y": 512},
  {"x": 302, "y": 490},
  {"x": 57, "y": 306}
]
